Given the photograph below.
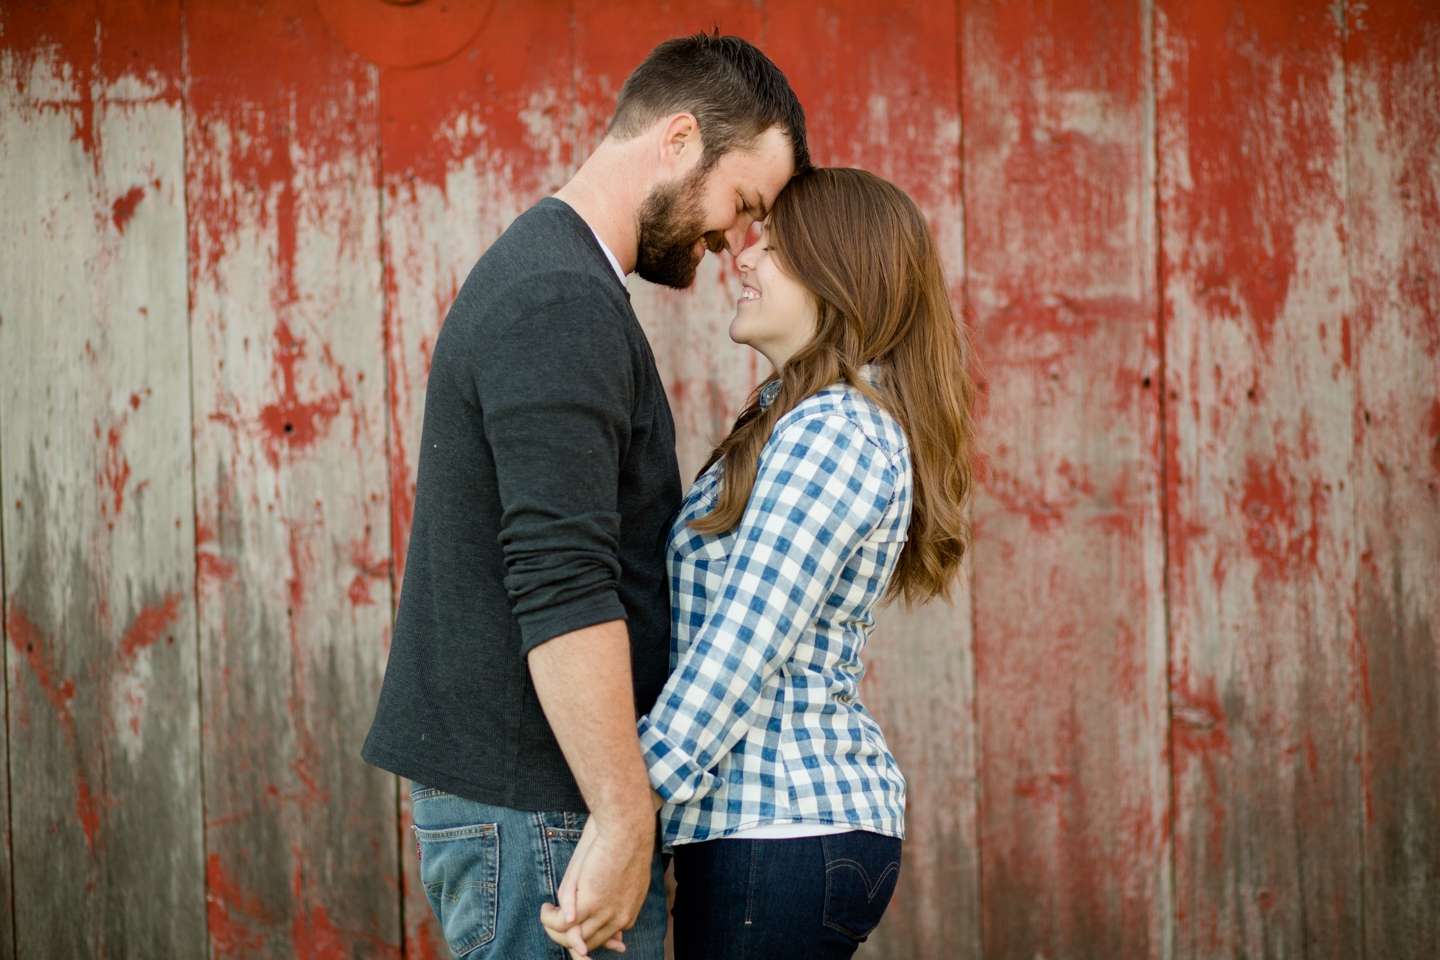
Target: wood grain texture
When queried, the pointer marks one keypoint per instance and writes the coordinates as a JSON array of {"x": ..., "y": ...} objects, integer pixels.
[
  {"x": 99, "y": 617},
  {"x": 1260, "y": 390},
  {"x": 7, "y": 859},
  {"x": 1069, "y": 600},
  {"x": 1393, "y": 127},
  {"x": 323, "y": 212},
  {"x": 293, "y": 525}
]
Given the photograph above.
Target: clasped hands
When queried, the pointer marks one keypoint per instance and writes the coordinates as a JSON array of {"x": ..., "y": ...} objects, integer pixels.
[{"x": 604, "y": 886}]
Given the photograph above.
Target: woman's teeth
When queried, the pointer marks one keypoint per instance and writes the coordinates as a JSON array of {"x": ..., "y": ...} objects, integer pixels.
[{"x": 748, "y": 294}]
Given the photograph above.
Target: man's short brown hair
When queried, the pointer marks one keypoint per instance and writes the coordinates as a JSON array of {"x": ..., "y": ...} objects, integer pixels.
[{"x": 735, "y": 92}]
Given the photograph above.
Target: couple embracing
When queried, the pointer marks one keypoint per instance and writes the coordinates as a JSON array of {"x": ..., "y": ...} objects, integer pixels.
[{"x": 578, "y": 644}]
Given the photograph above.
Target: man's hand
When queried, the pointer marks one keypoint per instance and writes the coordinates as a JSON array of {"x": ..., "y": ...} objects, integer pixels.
[
  {"x": 583, "y": 683},
  {"x": 582, "y": 922}
]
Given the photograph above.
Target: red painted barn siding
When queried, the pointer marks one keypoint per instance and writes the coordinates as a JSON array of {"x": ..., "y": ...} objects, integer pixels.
[
  {"x": 1392, "y": 55},
  {"x": 1186, "y": 704},
  {"x": 292, "y": 481},
  {"x": 1268, "y": 856},
  {"x": 95, "y": 471},
  {"x": 1069, "y": 612}
]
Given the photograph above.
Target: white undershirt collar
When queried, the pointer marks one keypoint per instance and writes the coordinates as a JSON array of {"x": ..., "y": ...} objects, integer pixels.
[{"x": 609, "y": 256}]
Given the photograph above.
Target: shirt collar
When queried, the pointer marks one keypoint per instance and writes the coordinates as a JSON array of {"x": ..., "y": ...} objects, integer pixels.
[
  {"x": 868, "y": 373},
  {"x": 609, "y": 256}
]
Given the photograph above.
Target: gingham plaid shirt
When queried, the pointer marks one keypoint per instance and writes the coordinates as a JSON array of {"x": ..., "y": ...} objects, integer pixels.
[{"x": 760, "y": 722}]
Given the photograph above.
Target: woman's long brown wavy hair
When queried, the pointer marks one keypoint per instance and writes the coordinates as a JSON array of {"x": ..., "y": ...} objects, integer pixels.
[{"x": 864, "y": 252}]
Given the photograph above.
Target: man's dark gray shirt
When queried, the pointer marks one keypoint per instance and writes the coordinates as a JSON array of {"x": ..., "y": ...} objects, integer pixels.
[{"x": 545, "y": 492}]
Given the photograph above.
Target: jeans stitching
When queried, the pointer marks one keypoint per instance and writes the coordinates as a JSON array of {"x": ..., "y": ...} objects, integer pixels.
[
  {"x": 870, "y": 889},
  {"x": 540, "y": 830},
  {"x": 750, "y": 890},
  {"x": 865, "y": 876}
]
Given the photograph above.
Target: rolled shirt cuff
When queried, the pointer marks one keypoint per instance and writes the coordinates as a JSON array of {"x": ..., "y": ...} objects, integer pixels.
[
  {"x": 537, "y": 626},
  {"x": 673, "y": 773}
]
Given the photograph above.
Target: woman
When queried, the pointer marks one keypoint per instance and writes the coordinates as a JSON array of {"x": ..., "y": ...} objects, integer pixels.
[{"x": 842, "y": 484}]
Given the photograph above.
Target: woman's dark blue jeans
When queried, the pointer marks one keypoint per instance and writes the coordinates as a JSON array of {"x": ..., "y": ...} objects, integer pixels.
[{"x": 803, "y": 899}]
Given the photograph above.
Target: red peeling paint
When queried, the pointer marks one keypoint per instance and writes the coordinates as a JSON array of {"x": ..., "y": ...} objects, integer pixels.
[
  {"x": 291, "y": 423},
  {"x": 210, "y": 567},
  {"x": 92, "y": 53},
  {"x": 147, "y": 626},
  {"x": 30, "y": 645},
  {"x": 1198, "y": 719},
  {"x": 124, "y": 208},
  {"x": 1432, "y": 435},
  {"x": 116, "y": 472},
  {"x": 1245, "y": 267},
  {"x": 421, "y": 941},
  {"x": 231, "y": 910},
  {"x": 1273, "y": 527},
  {"x": 314, "y": 937},
  {"x": 359, "y": 591},
  {"x": 370, "y": 568}
]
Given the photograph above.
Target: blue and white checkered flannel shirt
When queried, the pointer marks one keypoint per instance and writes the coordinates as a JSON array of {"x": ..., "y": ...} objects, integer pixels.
[{"x": 760, "y": 722}]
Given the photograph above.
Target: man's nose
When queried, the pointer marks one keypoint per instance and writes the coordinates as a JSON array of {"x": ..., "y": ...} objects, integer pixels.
[{"x": 735, "y": 236}]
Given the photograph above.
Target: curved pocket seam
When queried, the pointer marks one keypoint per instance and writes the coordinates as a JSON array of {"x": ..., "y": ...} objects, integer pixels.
[
  {"x": 487, "y": 889},
  {"x": 870, "y": 889}
]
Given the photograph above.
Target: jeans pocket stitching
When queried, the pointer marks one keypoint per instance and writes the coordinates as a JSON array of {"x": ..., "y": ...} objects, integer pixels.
[
  {"x": 870, "y": 891},
  {"x": 870, "y": 888},
  {"x": 487, "y": 910}
]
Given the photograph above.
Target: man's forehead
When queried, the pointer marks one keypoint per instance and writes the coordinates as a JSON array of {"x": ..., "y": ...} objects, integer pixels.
[{"x": 761, "y": 170}]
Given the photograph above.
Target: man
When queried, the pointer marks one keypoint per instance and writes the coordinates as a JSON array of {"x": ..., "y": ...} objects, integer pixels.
[{"x": 534, "y": 624}]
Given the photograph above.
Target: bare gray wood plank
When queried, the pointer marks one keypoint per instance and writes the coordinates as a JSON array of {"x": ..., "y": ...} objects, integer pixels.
[
  {"x": 1070, "y": 640},
  {"x": 292, "y": 482},
  {"x": 1393, "y": 89},
  {"x": 1261, "y": 509},
  {"x": 96, "y": 471}
]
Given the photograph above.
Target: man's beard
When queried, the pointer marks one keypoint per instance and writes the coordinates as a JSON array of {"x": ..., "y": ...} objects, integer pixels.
[{"x": 671, "y": 223}]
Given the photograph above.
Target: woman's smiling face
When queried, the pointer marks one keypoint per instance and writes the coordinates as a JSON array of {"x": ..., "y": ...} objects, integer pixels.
[{"x": 775, "y": 314}]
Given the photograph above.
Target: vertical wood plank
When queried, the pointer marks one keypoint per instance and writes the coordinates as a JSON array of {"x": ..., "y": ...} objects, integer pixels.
[
  {"x": 96, "y": 471},
  {"x": 1069, "y": 596},
  {"x": 1261, "y": 503},
  {"x": 880, "y": 89},
  {"x": 466, "y": 147},
  {"x": 1393, "y": 93},
  {"x": 293, "y": 507},
  {"x": 7, "y": 859}
]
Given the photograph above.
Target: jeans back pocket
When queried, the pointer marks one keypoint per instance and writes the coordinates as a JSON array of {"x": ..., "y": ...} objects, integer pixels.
[
  {"x": 460, "y": 868},
  {"x": 861, "y": 870}
]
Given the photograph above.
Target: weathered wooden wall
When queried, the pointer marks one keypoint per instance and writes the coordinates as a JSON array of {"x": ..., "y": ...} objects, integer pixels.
[{"x": 1187, "y": 704}]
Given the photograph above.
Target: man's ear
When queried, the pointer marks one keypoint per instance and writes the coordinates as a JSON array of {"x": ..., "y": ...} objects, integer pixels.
[{"x": 680, "y": 145}]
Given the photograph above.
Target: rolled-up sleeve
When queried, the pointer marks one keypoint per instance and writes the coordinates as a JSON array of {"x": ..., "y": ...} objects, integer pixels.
[
  {"x": 821, "y": 487},
  {"x": 557, "y": 394}
]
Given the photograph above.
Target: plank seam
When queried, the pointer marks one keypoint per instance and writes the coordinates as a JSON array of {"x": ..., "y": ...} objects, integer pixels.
[
  {"x": 194, "y": 472},
  {"x": 1342, "y": 13},
  {"x": 976, "y": 741},
  {"x": 5, "y": 692},
  {"x": 385, "y": 330},
  {"x": 1170, "y": 946}
]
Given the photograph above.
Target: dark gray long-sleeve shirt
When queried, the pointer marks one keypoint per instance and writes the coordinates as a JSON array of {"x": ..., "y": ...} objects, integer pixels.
[{"x": 546, "y": 487}]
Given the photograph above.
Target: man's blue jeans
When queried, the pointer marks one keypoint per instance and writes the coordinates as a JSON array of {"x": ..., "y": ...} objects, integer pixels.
[{"x": 488, "y": 869}]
